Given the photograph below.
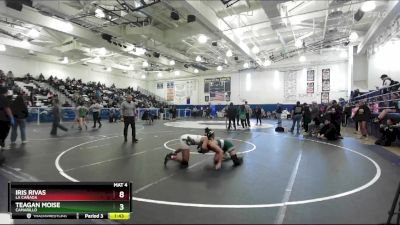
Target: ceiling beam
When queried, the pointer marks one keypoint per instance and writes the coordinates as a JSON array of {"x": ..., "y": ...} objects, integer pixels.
[
  {"x": 379, "y": 26},
  {"x": 36, "y": 48},
  {"x": 211, "y": 21},
  {"x": 88, "y": 37}
]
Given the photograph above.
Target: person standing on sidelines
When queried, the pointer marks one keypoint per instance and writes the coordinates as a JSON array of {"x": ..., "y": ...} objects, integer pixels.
[
  {"x": 231, "y": 115},
  {"x": 20, "y": 111},
  {"x": 297, "y": 115},
  {"x": 96, "y": 108},
  {"x": 248, "y": 113},
  {"x": 128, "y": 113},
  {"x": 6, "y": 116},
  {"x": 278, "y": 112},
  {"x": 57, "y": 118},
  {"x": 258, "y": 115}
]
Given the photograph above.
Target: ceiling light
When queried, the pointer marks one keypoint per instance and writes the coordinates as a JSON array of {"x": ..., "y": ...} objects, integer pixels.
[
  {"x": 137, "y": 4},
  {"x": 172, "y": 62},
  {"x": 368, "y": 6},
  {"x": 219, "y": 68},
  {"x": 140, "y": 51},
  {"x": 65, "y": 60},
  {"x": 255, "y": 49},
  {"x": 33, "y": 33},
  {"x": 96, "y": 60},
  {"x": 226, "y": 61},
  {"x": 202, "y": 39},
  {"x": 302, "y": 58},
  {"x": 130, "y": 47},
  {"x": 108, "y": 69},
  {"x": 246, "y": 65},
  {"x": 298, "y": 43},
  {"x": 343, "y": 54},
  {"x": 353, "y": 36},
  {"x": 68, "y": 27},
  {"x": 198, "y": 59},
  {"x": 143, "y": 76},
  {"x": 159, "y": 74},
  {"x": 25, "y": 43},
  {"x": 196, "y": 71},
  {"x": 2, "y": 48},
  {"x": 145, "y": 64},
  {"x": 177, "y": 73},
  {"x": 229, "y": 53},
  {"x": 267, "y": 62},
  {"x": 99, "y": 13},
  {"x": 102, "y": 51}
]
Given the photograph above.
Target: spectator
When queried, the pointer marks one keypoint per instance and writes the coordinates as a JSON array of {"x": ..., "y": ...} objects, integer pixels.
[
  {"x": 347, "y": 114},
  {"x": 354, "y": 116},
  {"x": 248, "y": 113},
  {"x": 238, "y": 114},
  {"x": 6, "y": 117},
  {"x": 393, "y": 107},
  {"x": 57, "y": 118},
  {"x": 66, "y": 104},
  {"x": 162, "y": 111},
  {"x": 296, "y": 115},
  {"x": 278, "y": 112},
  {"x": 174, "y": 112},
  {"x": 20, "y": 112},
  {"x": 328, "y": 131},
  {"x": 231, "y": 114},
  {"x": 306, "y": 117},
  {"x": 258, "y": 115},
  {"x": 335, "y": 113},
  {"x": 363, "y": 115},
  {"x": 388, "y": 85},
  {"x": 389, "y": 133},
  {"x": 111, "y": 115}
]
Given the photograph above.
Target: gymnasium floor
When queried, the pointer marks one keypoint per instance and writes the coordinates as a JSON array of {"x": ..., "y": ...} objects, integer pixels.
[{"x": 284, "y": 179}]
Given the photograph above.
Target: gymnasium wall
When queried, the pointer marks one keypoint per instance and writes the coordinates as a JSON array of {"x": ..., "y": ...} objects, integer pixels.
[
  {"x": 265, "y": 87},
  {"x": 360, "y": 72},
  {"x": 385, "y": 61},
  {"x": 21, "y": 66}
]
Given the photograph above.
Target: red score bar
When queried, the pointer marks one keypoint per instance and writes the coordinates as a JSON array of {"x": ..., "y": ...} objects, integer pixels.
[{"x": 83, "y": 195}]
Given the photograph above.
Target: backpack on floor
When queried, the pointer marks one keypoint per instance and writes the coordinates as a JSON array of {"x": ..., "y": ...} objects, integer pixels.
[{"x": 279, "y": 129}]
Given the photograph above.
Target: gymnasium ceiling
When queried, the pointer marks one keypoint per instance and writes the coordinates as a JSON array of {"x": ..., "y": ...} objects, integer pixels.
[{"x": 123, "y": 34}]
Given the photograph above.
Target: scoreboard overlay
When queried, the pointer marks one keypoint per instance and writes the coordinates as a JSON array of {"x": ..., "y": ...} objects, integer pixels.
[{"x": 70, "y": 200}]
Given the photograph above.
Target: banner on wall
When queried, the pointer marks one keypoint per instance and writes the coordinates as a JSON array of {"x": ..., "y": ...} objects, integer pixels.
[
  {"x": 310, "y": 87},
  {"x": 170, "y": 91},
  {"x": 310, "y": 75},
  {"x": 326, "y": 79},
  {"x": 325, "y": 97},
  {"x": 160, "y": 85},
  {"x": 170, "y": 84},
  {"x": 180, "y": 90},
  {"x": 290, "y": 86}
]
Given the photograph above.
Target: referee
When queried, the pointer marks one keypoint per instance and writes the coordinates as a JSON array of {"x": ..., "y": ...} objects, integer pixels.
[{"x": 128, "y": 110}]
